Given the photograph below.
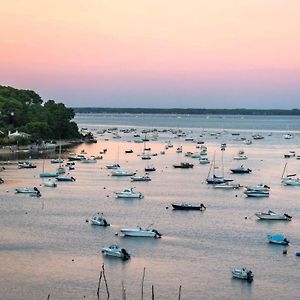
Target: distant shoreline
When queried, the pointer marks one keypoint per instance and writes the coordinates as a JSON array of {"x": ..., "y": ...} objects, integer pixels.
[{"x": 190, "y": 111}]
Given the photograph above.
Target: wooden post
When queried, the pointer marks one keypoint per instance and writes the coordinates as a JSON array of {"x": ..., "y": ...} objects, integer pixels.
[
  {"x": 143, "y": 278},
  {"x": 179, "y": 293},
  {"x": 106, "y": 285},
  {"x": 98, "y": 290},
  {"x": 152, "y": 292},
  {"x": 123, "y": 291},
  {"x": 48, "y": 297}
]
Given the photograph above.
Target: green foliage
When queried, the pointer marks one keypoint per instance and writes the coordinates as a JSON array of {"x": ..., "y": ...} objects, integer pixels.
[{"x": 24, "y": 110}]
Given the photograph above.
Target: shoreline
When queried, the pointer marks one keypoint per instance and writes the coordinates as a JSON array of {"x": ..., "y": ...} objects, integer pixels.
[{"x": 6, "y": 150}]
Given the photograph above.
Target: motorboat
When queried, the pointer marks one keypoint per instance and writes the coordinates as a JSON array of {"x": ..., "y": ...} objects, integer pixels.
[
  {"x": 242, "y": 274},
  {"x": 227, "y": 185},
  {"x": 99, "y": 220},
  {"x": 123, "y": 172},
  {"x": 50, "y": 183},
  {"x": 145, "y": 177},
  {"x": 129, "y": 193},
  {"x": 270, "y": 215},
  {"x": 26, "y": 165},
  {"x": 65, "y": 178},
  {"x": 129, "y": 151},
  {"x": 188, "y": 206},
  {"x": 256, "y": 193},
  {"x": 57, "y": 161},
  {"x": 150, "y": 168},
  {"x": 89, "y": 160},
  {"x": 241, "y": 170},
  {"x": 140, "y": 232},
  {"x": 179, "y": 149},
  {"x": 113, "y": 167},
  {"x": 278, "y": 239},
  {"x": 203, "y": 160},
  {"x": 183, "y": 165},
  {"x": 47, "y": 175},
  {"x": 247, "y": 142},
  {"x": 290, "y": 154},
  {"x": 241, "y": 155},
  {"x": 61, "y": 170},
  {"x": 259, "y": 187},
  {"x": 26, "y": 190},
  {"x": 116, "y": 251}
]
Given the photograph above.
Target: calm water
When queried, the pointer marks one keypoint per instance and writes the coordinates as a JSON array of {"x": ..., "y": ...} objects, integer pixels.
[{"x": 41, "y": 236}]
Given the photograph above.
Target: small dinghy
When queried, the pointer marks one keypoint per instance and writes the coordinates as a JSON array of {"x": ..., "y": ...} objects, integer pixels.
[
  {"x": 65, "y": 178},
  {"x": 140, "y": 232},
  {"x": 188, "y": 206},
  {"x": 50, "y": 183},
  {"x": 145, "y": 177},
  {"x": 242, "y": 274},
  {"x": 99, "y": 220},
  {"x": 278, "y": 239},
  {"x": 25, "y": 190},
  {"x": 129, "y": 193},
  {"x": 241, "y": 170},
  {"x": 116, "y": 251}
]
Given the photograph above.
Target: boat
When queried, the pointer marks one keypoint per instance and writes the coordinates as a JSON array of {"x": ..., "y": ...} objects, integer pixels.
[
  {"x": 57, "y": 161},
  {"x": 145, "y": 177},
  {"x": 256, "y": 193},
  {"x": 116, "y": 251},
  {"x": 270, "y": 215},
  {"x": 50, "y": 183},
  {"x": 278, "y": 239},
  {"x": 129, "y": 193},
  {"x": 65, "y": 178},
  {"x": 241, "y": 170},
  {"x": 26, "y": 165},
  {"x": 241, "y": 155},
  {"x": 203, "y": 160},
  {"x": 99, "y": 220},
  {"x": 26, "y": 190},
  {"x": 123, "y": 172},
  {"x": 227, "y": 185},
  {"x": 188, "y": 206},
  {"x": 140, "y": 232},
  {"x": 183, "y": 165},
  {"x": 61, "y": 170},
  {"x": 259, "y": 187},
  {"x": 113, "y": 167},
  {"x": 129, "y": 151},
  {"x": 179, "y": 149},
  {"x": 47, "y": 174},
  {"x": 289, "y": 179},
  {"x": 150, "y": 168},
  {"x": 89, "y": 160},
  {"x": 247, "y": 142},
  {"x": 1, "y": 180},
  {"x": 242, "y": 274}
]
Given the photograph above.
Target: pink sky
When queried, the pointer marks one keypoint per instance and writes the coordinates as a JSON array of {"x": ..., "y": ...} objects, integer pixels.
[{"x": 149, "y": 53}]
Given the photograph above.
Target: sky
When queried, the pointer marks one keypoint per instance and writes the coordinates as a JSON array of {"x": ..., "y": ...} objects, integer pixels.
[{"x": 154, "y": 53}]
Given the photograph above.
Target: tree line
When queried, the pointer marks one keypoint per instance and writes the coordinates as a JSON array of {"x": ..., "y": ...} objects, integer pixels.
[
  {"x": 25, "y": 111},
  {"x": 190, "y": 111}
]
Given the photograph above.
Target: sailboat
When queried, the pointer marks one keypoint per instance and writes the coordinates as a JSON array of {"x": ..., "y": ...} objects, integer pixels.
[
  {"x": 61, "y": 169},
  {"x": 46, "y": 174},
  {"x": 289, "y": 179},
  {"x": 214, "y": 179}
]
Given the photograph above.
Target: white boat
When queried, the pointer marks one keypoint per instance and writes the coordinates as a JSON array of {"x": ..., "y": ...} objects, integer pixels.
[
  {"x": 61, "y": 170},
  {"x": 129, "y": 193},
  {"x": 113, "y": 167},
  {"x": 292, "y": 180},
  {"x": 116, "y": 251},
  {"x": 227, "y": 186},
  {"x": 259, "y": 187},
  {"x": 99, "y": 220},
  {"x": 247, "y": 142},
  {"x": 50, "y": 183},
  {"x": 241, "y": 155},
  {"x": 26, "y": 165},
  {"x": 242, "y": 274},
  {"x": 203, "y": 160},
  {"x": 26, "y": 190},
  {"x": 123, "y": 172},
  {"x": 89, "y": 160},
  {"x": 255, "y": 193},
  {"x": 270, "y": 215},
  {"x": 140, "y": 232},
  {"x": 57, "y": 161},
  {"x": 145, "y": 177}
]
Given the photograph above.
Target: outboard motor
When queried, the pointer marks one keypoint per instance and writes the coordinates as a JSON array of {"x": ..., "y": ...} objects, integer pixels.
[
  {"x": 289, "y": 217},
  {"x": 1, "y": 180},
  {"x": 73, "y": 179},
  {"x": 202, "y": 206},
  {"x": 249, "y": 276},
  {"x": 126, "y": 255},
  {"x": 157, "y": 234}
]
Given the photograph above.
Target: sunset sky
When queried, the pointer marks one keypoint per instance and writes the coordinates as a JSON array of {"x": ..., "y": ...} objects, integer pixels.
[{"x": 154, "y": 53}]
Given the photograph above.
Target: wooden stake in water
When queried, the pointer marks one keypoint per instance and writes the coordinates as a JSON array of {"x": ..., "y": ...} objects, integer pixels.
[
  {"x": 143, "y": 278},
  {"x": 179, "y": 293},
  {"x": 152, "y": 288},
  {"x": 123, "y": 291},
  {"x": 102, "y": 273}
]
